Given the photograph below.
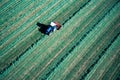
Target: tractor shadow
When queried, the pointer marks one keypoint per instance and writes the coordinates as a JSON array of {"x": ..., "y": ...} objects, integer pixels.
[{"x": 42, "y": 27}]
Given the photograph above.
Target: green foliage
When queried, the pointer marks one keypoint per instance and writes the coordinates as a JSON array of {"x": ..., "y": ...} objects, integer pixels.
[{"x": 83, "y": 45}]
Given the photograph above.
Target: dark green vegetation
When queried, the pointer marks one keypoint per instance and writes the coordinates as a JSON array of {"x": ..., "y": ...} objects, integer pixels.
[{"x": 87, "y": 47}]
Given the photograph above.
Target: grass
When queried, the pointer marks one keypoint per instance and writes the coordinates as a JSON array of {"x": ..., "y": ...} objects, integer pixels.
[{"x": 78, "y": 51}]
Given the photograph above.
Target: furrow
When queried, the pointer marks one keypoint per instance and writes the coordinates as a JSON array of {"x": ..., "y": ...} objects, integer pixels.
[
  {"x": 69, "y": 51},
  {"x": 18, "y": 13},
  {"x": 26, "y": 39},
  {"x": 18, "y": 27},
  {"x": 103, "y": 64}
]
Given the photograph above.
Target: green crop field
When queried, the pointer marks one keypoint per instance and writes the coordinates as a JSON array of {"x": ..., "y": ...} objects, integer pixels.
[{"x": 87, "y": 47}]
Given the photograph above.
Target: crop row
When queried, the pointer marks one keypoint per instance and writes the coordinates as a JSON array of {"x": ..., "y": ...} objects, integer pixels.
[
  {"x": 45, "y": 54},
  {"x": 71, "y": 13},
  {"x": 113, "y": 71},
  {"x": 97, "y": 56},
  {"x": 3, "y": 3},
  {"x": 75, "y": 53},
  {"x": 21, "y": 34},
  {"x": 45, "y": 59},
  {"x": 95, "y": 61},
  {"x": 9, "y": 51},
  {"x": 7, "y": 14},
  {"x": 105, "y": 49},
  {"x": 101, "y": 48},
  {"x": 19, "y": 13},
  {"x": 7, "y": 5},
  {"x": 22, "y": 9},
  {"x": 70, "y": 50},
  {"x": 111, "y": 56},
  {"x": 27, "y": 20}
]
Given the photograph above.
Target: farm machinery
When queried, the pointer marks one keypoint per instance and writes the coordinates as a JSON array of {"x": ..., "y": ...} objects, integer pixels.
[{"x": 48, "y": 29}]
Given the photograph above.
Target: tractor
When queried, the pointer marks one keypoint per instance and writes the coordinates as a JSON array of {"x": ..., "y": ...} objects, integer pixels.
[{"x": 48, "y": 29}]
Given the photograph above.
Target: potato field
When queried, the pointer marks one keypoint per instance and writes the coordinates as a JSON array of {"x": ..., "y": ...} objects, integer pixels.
[{"x": 87, "y": 47}]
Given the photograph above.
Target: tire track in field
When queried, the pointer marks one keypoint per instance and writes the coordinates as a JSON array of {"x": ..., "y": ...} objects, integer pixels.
[{"x": 67, "y": 53}]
